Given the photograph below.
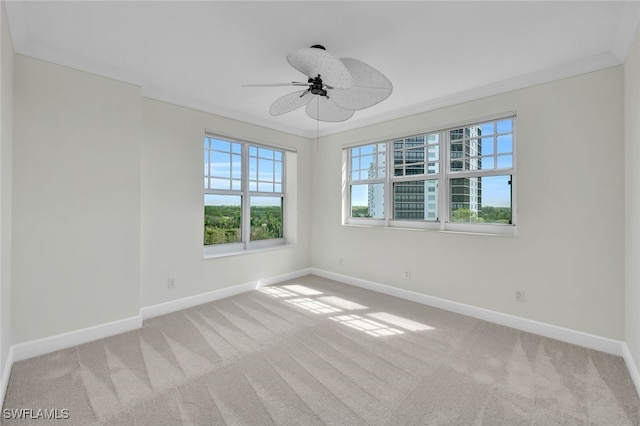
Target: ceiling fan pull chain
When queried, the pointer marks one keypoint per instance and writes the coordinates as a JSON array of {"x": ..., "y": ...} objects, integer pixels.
[{"x": 318, "y": 129}]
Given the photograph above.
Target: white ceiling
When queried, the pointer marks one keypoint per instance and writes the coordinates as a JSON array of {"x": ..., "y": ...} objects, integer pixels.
[{"x": 199, "y": 54}]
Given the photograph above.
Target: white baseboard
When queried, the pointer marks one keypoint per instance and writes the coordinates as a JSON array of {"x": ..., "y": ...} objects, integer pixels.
[
  {"x": 6, "y": 375},
  {"x": 33, "y": 348},
  {"x": 579, "y": 338},
  {"x": 631, "y": 366},
  {"x": 45, "y": 345},
  {"x": 56, "y": 342},
  {"x": 198, "y": 299}
]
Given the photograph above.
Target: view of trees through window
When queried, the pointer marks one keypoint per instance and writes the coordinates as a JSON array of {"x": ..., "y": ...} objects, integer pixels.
[
  {"x": 238, "y": 174},
  {"x": 488, "y": 214},
  {"x": 222, "y": 224}
]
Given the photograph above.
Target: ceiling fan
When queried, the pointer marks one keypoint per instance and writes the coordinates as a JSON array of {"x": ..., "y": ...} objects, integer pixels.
[{"x": 335, "y": 87}]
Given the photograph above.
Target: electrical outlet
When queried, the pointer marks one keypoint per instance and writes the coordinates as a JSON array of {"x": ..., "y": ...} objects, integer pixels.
[
  {"x": 520, "y": 296},
  {"x": 171, "y": 283},
  {"x": 406, "y": 275},
  {"x": 341, "y": 261}
]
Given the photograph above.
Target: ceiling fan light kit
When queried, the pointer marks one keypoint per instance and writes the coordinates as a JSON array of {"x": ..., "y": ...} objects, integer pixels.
[{"x": 336, "y": 87}]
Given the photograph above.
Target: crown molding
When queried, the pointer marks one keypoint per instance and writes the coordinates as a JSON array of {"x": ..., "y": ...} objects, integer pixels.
[
  {"x": 179, "y": 99},
  {"x": 24, "y": 46},
  {"x": 619, "y": 49},
  {"x": 626, "y": 30},
  {"x": 583, "y": 66},
  {"x": 594, "y": 63},
  {"x": 17, "y": 24}
]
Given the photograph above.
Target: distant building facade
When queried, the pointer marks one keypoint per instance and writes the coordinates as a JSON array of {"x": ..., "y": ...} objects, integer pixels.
[{"x": 417, "y": 199}]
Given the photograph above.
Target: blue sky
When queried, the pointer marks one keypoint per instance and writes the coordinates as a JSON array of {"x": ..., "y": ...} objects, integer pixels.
[{"x": 223, "y": 163}]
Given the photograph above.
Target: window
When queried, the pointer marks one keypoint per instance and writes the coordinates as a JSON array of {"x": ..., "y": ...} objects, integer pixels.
[
  {"x": 480, "y": 172},
  {"x": 455, "y": 178},
  {"x": 243, "y": 195},
  {"x": 368, "y": 171}
]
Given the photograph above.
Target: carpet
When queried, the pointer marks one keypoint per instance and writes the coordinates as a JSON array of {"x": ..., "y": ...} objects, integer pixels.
[{"x": 312, "y": 351}]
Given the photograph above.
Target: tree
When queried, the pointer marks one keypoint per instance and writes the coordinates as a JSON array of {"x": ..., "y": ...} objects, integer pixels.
[
  {"x": 465, "y": 215},
  {"x": 492, "y": 214},
  {"x": 360, "y": 211},
  {"x": 221, "y": 224}
]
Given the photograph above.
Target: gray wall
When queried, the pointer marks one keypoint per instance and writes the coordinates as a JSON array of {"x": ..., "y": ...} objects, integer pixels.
[
  {"x": 632, "y": 193},
  {"x": 6, "y": 189}
]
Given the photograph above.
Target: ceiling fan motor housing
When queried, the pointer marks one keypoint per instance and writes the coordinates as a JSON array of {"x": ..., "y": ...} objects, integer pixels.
[{"x": 316, "y": 87}]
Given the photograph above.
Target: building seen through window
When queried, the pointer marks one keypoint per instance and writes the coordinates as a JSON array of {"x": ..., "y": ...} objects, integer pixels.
[{"x": 459, "y": 175}]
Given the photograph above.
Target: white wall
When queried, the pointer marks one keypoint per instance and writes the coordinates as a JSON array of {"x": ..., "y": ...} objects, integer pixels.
[
  {"x": 172, "y": 206},
  {"x": 632, "y": 194},
  {"x": 76, "y": 200},
  {"x": 569, "y": 250},
  {"x": 108, "y": 202},
  {"x": 6, "y": 144},
  {"x": 107, "y": 206}
]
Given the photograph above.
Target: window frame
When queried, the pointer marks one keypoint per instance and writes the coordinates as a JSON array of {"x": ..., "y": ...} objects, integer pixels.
[
  {"x": 443, "y": 177},
  {"x": 372, "y": 181},
  {"x": 245, "y": 194}
]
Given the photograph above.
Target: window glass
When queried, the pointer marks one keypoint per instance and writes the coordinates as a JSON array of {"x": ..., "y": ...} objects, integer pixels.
[
  {"x": 483, "y": 199},
  {"x": 410, "y": 199},
  {"x": 416, "y": 155},
  {"x": 367, "y": 200},
  {"x": 266, "y": 218},
  {"x": 222, "y": 165},
  {"x": 222, "y": 219},
  {"x": 485, "y": 146},
  {"x": 368, "y": 162},
  {"x": 265, "y": 170}
]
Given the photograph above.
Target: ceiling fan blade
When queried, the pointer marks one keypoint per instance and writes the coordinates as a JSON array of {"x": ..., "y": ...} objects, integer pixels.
[
  {"x": 313, "y": 62},
  {"x": 290, "y": 101},
  {"x": 323, "y": 109},
  {"x": 370, "y": 86},
  {"x": 294, "y": 83}
]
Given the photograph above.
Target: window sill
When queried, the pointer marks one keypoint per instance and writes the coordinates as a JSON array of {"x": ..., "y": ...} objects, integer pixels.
[
  {"x": 258, "y": 248},
  {"x": 446, "y": 228}
]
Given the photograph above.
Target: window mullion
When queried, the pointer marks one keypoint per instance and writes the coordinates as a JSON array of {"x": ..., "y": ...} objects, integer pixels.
[
  {"x": 222, "y": 192},
  {"x": 443, "y": 188},
  {"x": 408, "y": 178},
  {"x": 388, "y": 185},
  {"x": 246, "y": 208},
  {"x": 368, "y": 181}
]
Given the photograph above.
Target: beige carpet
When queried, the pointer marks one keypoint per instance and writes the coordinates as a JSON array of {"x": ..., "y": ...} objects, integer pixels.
[{"x": 313, "y": 351}]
